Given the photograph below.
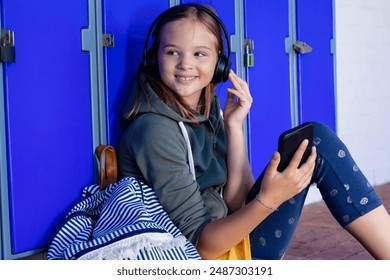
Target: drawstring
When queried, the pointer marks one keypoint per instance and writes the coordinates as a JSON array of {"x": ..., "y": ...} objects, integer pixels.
[{"x": 189, "y": 150}]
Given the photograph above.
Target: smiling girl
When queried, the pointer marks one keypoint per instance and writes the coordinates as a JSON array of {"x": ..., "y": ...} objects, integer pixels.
[{"x": 176, "y": 86}]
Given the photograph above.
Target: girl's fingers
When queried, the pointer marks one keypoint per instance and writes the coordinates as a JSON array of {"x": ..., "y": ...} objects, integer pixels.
[
  {"x": 240, "y": 88},
  {"x": 244, "y": 101},
  {"x": 239, "y": 100},
  {"x": 235, "y": 92},
  {"x": 237, "y": 82},
  {"x": 296, "y": 159},
  {"x": 310, "y": 162},
  {"x": 308, "y": 167},
  {"x": 273, "y": 164},
  {"x": 231, "y": 95}
]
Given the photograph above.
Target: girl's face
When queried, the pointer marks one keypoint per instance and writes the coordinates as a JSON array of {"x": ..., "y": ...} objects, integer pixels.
[{"x": 187, "y": 56}]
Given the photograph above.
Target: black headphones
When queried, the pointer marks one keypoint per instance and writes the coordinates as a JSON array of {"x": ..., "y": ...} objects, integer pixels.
[{"x": 223, "y": 65}]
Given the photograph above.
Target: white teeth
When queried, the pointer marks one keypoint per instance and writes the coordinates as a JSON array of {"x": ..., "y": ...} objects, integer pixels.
[{"x": 185, "y": 78}]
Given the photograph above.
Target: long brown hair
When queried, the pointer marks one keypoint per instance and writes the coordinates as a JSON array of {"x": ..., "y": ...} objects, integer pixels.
[{"x": 149, "y": 68}]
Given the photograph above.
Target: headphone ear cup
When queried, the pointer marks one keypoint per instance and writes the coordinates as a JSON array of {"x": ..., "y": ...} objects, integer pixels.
[
  {"x": 150, "y": 61},
  {"x": 222, "y": 69}
]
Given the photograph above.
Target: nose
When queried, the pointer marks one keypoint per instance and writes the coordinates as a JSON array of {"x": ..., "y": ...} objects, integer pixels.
[{"x": 185, "y": 62}]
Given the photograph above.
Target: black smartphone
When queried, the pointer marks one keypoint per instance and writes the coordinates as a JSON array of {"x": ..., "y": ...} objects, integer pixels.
[{"x": 289, "y": 142}]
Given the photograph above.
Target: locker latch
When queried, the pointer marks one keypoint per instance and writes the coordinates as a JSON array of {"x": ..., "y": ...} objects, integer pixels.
[
  {"x": 302, "y": 47},
  {"x": 249, "y": 57},
  {"x": 7, "y": 46},
  {"x": 108, "y": 40}
]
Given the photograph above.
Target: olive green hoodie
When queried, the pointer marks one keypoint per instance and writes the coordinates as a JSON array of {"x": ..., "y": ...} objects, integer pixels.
[{"x": 153, "y": 149}]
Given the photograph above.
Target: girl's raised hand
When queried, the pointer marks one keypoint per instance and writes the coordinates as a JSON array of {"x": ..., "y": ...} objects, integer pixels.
[{"x": 236, "y": 111}]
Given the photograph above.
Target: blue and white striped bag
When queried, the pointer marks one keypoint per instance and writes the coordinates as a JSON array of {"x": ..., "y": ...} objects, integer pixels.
[{"x": 124, "y": 221}]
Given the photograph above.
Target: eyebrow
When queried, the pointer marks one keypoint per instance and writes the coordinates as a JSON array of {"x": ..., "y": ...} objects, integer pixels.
[{"x": 175, "y": 46}]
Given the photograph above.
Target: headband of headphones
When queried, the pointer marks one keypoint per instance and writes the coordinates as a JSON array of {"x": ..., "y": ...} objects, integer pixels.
[{"x": 223, "y": 64}]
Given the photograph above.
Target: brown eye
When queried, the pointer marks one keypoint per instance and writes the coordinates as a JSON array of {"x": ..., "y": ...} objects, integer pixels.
[{"x": 172, "y": 53}]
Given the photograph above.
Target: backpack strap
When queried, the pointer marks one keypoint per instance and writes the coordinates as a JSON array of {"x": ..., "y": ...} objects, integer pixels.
[{"x": 107, "y": 164}]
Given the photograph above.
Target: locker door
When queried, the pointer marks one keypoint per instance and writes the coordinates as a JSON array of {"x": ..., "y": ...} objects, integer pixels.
[
  {"x": 267, "y": 23},
  {"x": 315, "y": 69},
  {"x": 129, "y": 22},
  {"x": 47, "y": 145}
]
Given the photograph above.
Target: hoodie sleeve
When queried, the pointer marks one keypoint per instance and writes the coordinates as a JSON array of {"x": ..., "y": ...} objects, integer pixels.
[{"x": 160, "y": 152}]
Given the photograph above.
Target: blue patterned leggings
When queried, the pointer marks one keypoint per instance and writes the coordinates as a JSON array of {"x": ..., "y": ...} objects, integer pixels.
[{"x": 344, "y": 188}]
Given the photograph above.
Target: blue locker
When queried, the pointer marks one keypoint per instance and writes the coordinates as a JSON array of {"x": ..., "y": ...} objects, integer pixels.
[
  {"x": 129, "y": 22},
  {"x": 46, "y": 138},
  {"x": 267, "y": 23},
  {"x": 288, "y": 87},
  {"x": 316, "y": 71}
]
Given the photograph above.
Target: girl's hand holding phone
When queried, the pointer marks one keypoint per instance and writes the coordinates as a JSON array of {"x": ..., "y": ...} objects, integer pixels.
[{"x": 277, "y": 187}]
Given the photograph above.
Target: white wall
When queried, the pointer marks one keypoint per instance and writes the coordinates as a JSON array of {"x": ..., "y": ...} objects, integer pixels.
[{"x": 362, "y": 31}]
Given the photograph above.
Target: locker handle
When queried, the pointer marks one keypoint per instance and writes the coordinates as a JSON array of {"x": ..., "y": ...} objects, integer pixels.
[{"x": 302, "y": 47}]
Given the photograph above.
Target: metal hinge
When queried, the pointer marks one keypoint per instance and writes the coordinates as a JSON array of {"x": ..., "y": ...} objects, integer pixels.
[
  {"x": 7, "y": 46},
  {"x": 108, "y": 40}
]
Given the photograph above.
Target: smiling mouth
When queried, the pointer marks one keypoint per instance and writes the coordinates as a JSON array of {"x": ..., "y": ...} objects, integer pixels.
[{"x": 183, "y": 78}]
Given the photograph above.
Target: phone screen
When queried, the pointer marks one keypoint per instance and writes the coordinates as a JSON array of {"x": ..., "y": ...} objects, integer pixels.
[{"x": 289, "y": 142}]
